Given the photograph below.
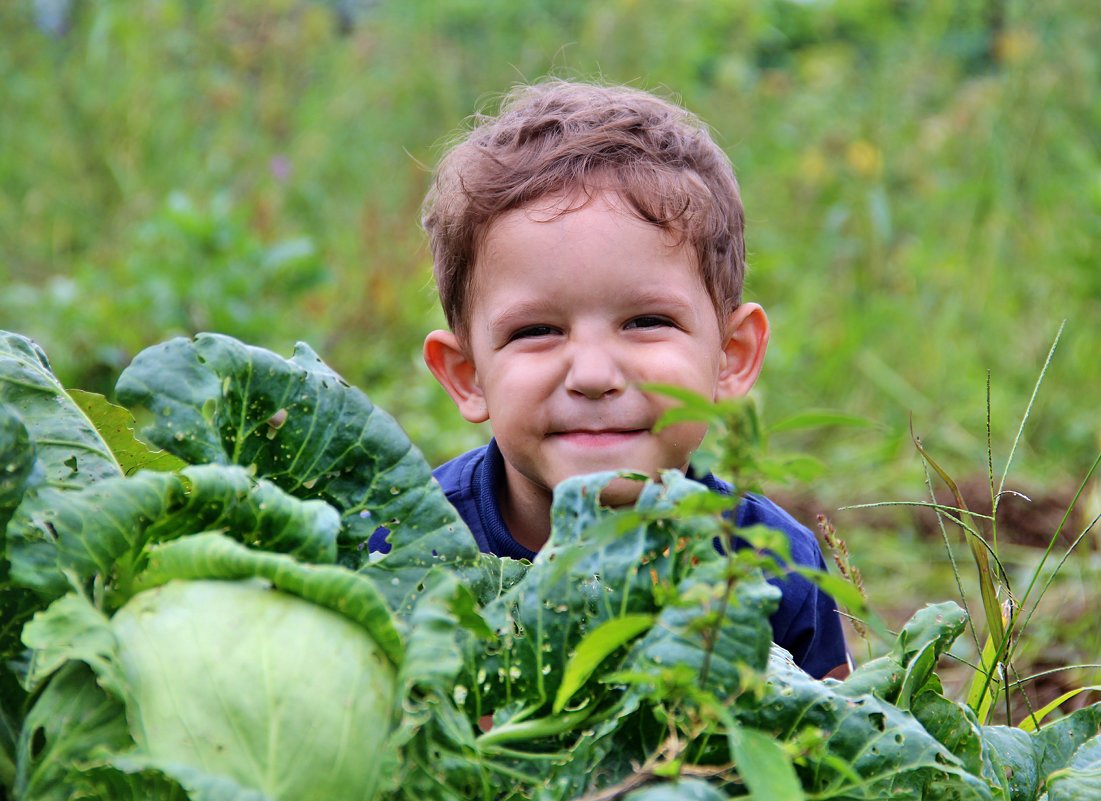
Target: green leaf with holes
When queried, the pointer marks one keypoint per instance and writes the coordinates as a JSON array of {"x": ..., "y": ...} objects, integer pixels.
[{"x": 299, "y": 425}]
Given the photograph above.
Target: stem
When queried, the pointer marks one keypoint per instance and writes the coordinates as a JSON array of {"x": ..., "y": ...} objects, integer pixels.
[{"x": 532, "y": 729}]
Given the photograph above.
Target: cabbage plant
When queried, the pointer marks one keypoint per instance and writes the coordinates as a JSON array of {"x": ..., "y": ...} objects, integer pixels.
[{"x": 198, "y": 618}]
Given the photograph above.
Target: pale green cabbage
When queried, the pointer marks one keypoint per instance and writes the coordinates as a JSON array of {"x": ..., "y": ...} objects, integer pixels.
[{"x": 235, "y": 679}]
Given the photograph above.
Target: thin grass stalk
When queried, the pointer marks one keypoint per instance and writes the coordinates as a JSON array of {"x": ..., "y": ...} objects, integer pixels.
[
  {"x": 1028, "y": 410},
  {"x": 994, "y": 496},
  {"x": 985, "y": 688},
  {"x": 946, "y": 510},
  {"x": 1015, "y": 637},
  {"x": 987, "y": 588},
  {"x": 952, "y": 560},
  {"x": 1024, "y": 696},
  {"x": 1052, "y": 671}
]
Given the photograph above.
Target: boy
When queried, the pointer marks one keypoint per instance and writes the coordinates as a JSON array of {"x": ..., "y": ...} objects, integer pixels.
[{"x": 586, "y": 241}]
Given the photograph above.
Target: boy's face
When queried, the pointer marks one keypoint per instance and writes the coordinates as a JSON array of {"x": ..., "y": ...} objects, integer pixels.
[{"x": 571, "y": 314}]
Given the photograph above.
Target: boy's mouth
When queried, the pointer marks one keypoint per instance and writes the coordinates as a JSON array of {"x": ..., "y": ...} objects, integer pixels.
[{"x": 598, "y": 437}]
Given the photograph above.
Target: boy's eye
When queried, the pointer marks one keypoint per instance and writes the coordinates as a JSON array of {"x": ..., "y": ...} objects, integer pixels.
[
  {"x": 649, "y": 321},
  {"x": 531, "y": 331}
]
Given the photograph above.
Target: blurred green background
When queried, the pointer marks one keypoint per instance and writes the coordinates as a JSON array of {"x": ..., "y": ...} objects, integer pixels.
[{"x": 922, "y": 182}]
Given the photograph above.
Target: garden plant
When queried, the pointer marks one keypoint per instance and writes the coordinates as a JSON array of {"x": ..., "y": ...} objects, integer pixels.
[{"x": 198, "y": 618}]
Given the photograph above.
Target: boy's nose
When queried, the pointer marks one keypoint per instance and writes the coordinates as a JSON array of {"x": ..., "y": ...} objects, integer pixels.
[{"x": 594, "y": 372}]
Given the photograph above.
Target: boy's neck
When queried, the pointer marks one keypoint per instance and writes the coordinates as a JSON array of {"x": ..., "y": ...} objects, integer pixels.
[{"x": 525, "y": 509}]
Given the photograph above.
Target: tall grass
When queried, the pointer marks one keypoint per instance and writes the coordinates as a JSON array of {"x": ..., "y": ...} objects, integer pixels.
[{"x": 1011, "y": 591}]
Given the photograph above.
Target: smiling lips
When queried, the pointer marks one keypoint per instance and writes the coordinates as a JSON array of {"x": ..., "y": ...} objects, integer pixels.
[{"x": 597, "y": 438}]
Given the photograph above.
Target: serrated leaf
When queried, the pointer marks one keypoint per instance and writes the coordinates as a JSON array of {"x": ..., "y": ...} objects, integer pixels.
[
  {"x": 117, "y": 427},
  {"x": 58, "y": 535},
  {"x": 798, "y": 467}
]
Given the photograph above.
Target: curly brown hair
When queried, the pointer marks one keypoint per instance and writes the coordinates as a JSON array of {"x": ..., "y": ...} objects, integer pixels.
[{"x": 562, "y": 136}]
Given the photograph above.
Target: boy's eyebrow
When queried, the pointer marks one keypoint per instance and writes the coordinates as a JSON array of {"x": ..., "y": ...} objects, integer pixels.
[
  {"x": 523, "y": 311},
  {"x": 663, "y": 299}
]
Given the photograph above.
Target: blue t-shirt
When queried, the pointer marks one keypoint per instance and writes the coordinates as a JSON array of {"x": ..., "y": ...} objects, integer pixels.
[{"x": 806, "y": 622}]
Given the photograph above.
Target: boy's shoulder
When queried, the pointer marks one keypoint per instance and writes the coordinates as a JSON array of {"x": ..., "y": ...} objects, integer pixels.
[
  {"x": 470, "y": 482},
  {"x": 456, "y": 475}
]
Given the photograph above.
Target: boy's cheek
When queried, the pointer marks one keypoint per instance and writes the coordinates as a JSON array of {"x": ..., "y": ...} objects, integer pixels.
[{"x": 682, "y": 440}]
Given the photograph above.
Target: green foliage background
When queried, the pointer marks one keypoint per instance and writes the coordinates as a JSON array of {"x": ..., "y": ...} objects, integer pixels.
[
  {"x": 922, "y": 182},
  {"x": 923, "y": 185}
]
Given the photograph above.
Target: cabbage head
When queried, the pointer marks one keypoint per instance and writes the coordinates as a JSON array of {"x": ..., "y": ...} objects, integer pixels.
[{"x": 234, "y": 679}]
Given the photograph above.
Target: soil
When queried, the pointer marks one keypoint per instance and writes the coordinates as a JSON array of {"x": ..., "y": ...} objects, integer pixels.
[{"x": 1028, "y": 518}]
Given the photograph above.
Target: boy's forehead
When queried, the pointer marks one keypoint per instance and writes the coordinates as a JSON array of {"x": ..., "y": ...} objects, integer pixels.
[
  {"x": 514, "y": 242},
  {"x": 605, "y": 204}
]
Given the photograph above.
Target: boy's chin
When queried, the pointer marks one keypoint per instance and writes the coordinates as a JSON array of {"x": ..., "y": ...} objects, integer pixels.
[{"x": 622, "y": 491}]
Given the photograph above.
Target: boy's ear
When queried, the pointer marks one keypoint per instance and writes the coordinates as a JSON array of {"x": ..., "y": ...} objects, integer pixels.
[
  {"x": 454, "y": 369},
  {"x": 743, "y": 354}
]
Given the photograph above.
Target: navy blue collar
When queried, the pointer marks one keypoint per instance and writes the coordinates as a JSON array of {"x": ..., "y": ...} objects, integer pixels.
[{"x": 487, "y": 479}]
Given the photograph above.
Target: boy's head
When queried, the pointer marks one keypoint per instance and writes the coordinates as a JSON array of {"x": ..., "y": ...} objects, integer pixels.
[
  {"x": 588, "y": 243},
  {"x": 558, "y": 137}
]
